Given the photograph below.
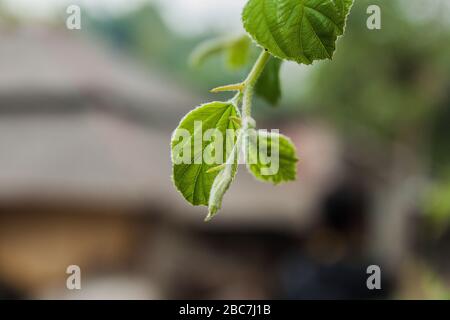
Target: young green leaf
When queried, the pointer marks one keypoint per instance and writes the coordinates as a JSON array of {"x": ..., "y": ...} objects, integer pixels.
[
  {"x": 271, "y": 157},
  {"x": 298, "y": 30},
  {"x": 201, "y": 142},
  {"x": 224, "y": 179},
  {"x": 235, "y": 49},
  {"x": 207, "y": 49},
  {"x": 268, "y": 86},
  {"x": 238, "y": 52}
]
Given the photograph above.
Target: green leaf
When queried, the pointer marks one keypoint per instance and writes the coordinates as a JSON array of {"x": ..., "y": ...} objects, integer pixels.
[
  {"x": 207, "y": 49},
  {"x": 224, "y": 179},
  {"x": 191, "y": 167},
  {"x": 271, "y": 157},
  {"x": 238, "y": 52},
  {"x": 298, "y": 30},
  {"x": 235, "y": 49},
  {"x": 268, "y": 86}
]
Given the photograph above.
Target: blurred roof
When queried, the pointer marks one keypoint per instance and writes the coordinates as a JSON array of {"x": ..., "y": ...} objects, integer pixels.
[
  {"x": 77, "y": 117},
  {"x": 58, "y": 64},
  {"x": 80, "y": 122}
]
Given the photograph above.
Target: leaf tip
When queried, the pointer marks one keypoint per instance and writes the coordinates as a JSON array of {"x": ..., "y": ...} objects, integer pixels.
[{"x": 212, "y": 212}]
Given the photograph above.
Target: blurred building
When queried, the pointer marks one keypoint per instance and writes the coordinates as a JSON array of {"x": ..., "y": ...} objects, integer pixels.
[{"x": 80, "y": 143}]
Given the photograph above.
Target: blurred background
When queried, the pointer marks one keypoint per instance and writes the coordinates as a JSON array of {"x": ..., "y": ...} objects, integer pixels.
[{"x": 85, "y": 123}]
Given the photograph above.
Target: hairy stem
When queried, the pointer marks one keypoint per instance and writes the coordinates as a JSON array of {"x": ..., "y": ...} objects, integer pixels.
[
  {"x": 228, "y": 170},
  {"x": 250, "y": 82}
]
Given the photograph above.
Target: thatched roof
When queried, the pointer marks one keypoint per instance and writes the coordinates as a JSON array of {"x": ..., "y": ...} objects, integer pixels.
[{"x": 77, "y": 119}]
